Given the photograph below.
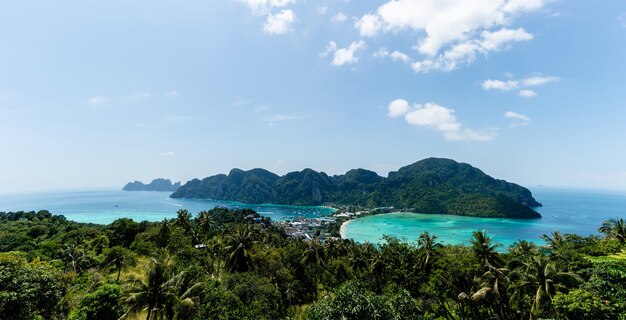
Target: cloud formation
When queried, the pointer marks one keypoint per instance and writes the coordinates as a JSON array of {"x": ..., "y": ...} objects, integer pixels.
[
  {"x": 519, "y": 120},
  {"x": 450, "y": 33},
  {"x": 395, "y": 55},
  {"x": 278, "y": 20},
  {"x": 279, "y": 23},
  {"x": 167, "y": 154},
  {"x": 521, "y": 85},
  {"x": 437, "y": 118},
  {"x": 342, "y": 56},
  {"x": 339, "y": 17}
]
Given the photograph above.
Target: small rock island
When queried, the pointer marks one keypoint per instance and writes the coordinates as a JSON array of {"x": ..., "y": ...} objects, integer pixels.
[{"x": 159, "y": 184}]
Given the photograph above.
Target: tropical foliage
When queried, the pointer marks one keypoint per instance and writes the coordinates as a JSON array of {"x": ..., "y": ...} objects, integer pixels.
[{"x": 228, "y": 264}]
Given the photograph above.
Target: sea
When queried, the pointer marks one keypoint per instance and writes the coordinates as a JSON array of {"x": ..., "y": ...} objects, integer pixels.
[
  {"x": 567, "y": 210},
  {"x": 573, "y": 211},
  {"x": 105, "y": 206}
]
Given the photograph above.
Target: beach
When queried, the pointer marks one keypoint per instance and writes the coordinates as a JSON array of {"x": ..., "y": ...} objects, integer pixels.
[{"x": 342, "y": 229}]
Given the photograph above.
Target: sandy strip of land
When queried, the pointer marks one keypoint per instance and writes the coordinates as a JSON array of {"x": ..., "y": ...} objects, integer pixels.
[{"x": 342, "y": 229}]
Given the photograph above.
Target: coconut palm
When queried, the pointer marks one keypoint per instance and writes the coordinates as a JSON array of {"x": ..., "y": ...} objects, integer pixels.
[
  {"x": 120, "y": 257},
  {"x": 523, "y": 248},
  {"x": 493, "y": 283},
  {"x": 205, "y": 222},
  {"x": 183, "y": 220},
  {"x": 238, "y": 243},
  {"x": 314, "y": 256},
  {"x": 554, "y": 241},
  {"x": 157, "y": 295},
  {"x": 485, "y": 250},
  {"x": 614, "y": 228},
  {"x": 427, "y": 249},
  {"x": 539, "y": 279},
  {"x": 74, "y": 256}
]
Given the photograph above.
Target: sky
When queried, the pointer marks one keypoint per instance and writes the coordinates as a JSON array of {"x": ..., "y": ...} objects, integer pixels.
[{"x": 99, "y": 93}]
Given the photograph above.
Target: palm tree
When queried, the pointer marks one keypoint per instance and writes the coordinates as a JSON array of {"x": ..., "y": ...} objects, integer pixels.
[
  {"x": 523, "y": 248},
  {"x": 183, "y": 220},
  {"x": 485, "y": 250},
  {"x": 75, "y": 256},
  {"x": 314, "y": 256},
  {"x": 427, "y": 249},
  {"x": 157, "y": 295},
  {"x": 120, "y": 257},
  {"x": 239, "y": 242},
  {"x": 539, "y": 279},
  {"x": 205, "y": 222},
  {"x": 493, "y": 283},
  {"x": 554, "y": 241},
  {"x": 615, "y": 228}
]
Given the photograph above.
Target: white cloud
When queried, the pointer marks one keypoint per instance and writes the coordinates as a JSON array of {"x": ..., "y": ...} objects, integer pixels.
[
  {"x": 500, "y": 85},
  {"x": 519, "y": 120},
  {"x": 397, "y": 108},
  {"x": 279, "y": 23},
  {"x": 368, "y": 25},
  {"x": 263, "y": 7},
  {"x": 172, "y": 94},
  {"x": 141, "y": 96},
  {"x": 395, "y": 55},
  {"x": 508, "y": 85},
  {"x": 438, "y": 118},
  {"x": 523, "y": 5},
  {"x": 330, "y": 48},
  {"x": 339, "y": 17},
  {"x": 167, "y": 154},
  {"x": 538, "y": 81},
  {"x": 493, "y": 41},
  {"x": 450, "y": 33},
  {"x": 344, "y": 56},
  {"x": 276, "y": 22},
  {"x": 96, "y": 101},
  {"x": 527, "y": 93},
  {"x": 622, "y": 19},
  {"x": 321, "y": 10}
]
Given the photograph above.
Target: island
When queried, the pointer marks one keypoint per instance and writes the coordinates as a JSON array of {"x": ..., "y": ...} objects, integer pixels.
[
  {"x": 159, "y": 184},
  {"x": 432, "y": 186}
]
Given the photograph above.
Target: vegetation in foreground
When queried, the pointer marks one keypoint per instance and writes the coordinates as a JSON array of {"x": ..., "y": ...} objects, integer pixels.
[{"x": 224, "y": 264}]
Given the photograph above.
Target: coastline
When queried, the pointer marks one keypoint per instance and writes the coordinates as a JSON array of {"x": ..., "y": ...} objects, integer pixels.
[{"x": 342, "y": 229}]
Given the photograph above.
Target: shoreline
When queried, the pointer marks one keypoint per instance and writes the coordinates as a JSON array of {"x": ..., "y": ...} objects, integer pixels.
[{"x": 342, "y": 229}]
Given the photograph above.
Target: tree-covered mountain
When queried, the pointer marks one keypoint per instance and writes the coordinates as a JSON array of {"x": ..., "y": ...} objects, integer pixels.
[
  {"x": 159, "y": 184},
  {"x": 433, "y": 185}
]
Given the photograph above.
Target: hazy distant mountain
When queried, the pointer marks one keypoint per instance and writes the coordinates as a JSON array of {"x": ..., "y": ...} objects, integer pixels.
[
  {"x": 433, "y": 185},
  {"x": 159, "y": 184}
]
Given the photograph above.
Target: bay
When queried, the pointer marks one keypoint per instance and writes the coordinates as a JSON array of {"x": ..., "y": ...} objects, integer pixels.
[
  {"x": 566, "y": 210},
  {"x": 105, "y": 206}
]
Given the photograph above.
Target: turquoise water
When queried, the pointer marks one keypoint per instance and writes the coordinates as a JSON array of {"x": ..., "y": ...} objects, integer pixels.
[
  {"x": 105, "y": 206},
  {"x": 570, "y": 211}
]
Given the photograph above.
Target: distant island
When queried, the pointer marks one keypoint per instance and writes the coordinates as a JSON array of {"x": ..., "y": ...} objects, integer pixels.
[
  {"x": 159, "y": 184},
  {"x": 433, "y": 185}
]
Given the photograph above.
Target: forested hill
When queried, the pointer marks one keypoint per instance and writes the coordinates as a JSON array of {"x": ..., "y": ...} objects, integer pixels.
[
  {"x": 433, "y": 185},
  {"x": 159, "y": 184}
]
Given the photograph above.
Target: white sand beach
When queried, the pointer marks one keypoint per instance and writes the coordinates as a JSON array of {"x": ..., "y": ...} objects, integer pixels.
[{"x": 342, "y": 229}]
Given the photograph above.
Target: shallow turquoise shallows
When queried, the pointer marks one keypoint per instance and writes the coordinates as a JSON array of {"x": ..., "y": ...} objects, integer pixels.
[
  {"x": 105, "y": 206},
  {"x": 569, "y": 211}
]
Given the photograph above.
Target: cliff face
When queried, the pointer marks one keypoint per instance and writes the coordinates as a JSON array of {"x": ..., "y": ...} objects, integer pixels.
[
  {"x": 433, "y": 185},
  {"x": 156, "y": 185}
]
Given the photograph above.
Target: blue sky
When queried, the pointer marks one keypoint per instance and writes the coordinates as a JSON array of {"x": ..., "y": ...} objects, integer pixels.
[{"x": 97, "y": 93}]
